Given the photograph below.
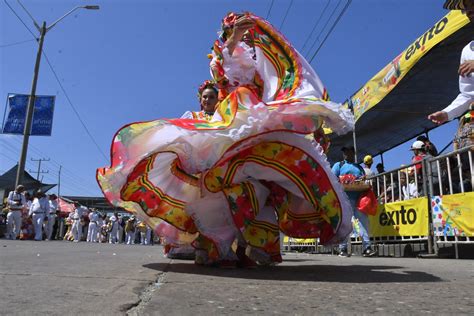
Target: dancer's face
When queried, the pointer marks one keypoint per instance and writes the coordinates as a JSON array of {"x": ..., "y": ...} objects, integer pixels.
[{"x": 209, "y": 100}]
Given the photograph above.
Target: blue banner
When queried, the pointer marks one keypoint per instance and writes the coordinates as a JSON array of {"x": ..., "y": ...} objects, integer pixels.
[{"x": 14, "y": 120}]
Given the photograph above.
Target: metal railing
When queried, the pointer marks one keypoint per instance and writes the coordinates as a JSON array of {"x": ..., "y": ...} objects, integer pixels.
[
  {"x": 446, "y": 174},
  {"x": 455, "y": 174}
]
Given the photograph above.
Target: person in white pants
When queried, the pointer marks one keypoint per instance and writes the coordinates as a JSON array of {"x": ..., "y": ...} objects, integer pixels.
[
  {"x": 51, "y": 214},
  {"x": 92, "y": 231},
  {"x": 141, "y": 227},
  {"x": 16, "y": 202},
  {"x": 114, "y": 228},
  {"x": 76, "y": 223},
  {"x": 130, "y": 230},
  {"x": 148, "y": 236},
  {"x": 38, "y": 210}
]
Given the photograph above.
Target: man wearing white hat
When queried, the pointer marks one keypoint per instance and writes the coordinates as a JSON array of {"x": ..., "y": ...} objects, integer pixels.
[
  {"x": 113, "y": 229},
  {"x": 51, "y": 214},
  {"x": 16, "y": 202},
  {"x": 38, "y": 211},
  {"x": 92, "y": 230},
  {"x": 76, "y": 222}
]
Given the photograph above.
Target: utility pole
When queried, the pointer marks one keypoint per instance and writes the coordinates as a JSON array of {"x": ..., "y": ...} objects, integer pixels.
[
  {"x": 31, "y": 100},
  {"x": 30, "y": 110},
  {"x": 39, "y": 166}
]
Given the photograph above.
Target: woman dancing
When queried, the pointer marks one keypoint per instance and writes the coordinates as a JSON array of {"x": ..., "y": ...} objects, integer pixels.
[{"x": 233, "y": 182}]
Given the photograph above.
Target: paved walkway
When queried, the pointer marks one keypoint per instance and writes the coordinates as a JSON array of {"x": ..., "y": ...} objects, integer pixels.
[{"x": 66, "y": 278}]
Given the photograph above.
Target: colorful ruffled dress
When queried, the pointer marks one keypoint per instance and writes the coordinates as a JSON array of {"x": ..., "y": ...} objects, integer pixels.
[{"x": 248, "y": 173}]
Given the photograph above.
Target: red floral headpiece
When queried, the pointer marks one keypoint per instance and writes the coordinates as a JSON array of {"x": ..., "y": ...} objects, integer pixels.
[
  {"x": 208, "y": 84},
  {"x": 228, "y": 24},
  {"x": 229, "y": 20}
]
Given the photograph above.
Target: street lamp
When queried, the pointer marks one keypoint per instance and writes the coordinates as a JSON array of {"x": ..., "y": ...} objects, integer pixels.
[{"x": 31, "y": 101}]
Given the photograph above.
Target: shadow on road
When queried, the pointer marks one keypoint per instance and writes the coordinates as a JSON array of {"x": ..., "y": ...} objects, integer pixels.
[{"x": 307, "y": 273}]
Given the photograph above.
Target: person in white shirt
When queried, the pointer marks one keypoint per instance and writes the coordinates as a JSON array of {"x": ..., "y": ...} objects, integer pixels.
[
  {"x": 463, "y": 101},
  {"x": 51, "y": 214},
  {"x": 409, "y": 189},
  {"x": 92, "y": 231},
  {"x": 368, "y": 161},
  {"x": 113, "y": 229},
  {"x": 16, "y": 202},
  {"x": 120, "y": 229},
  {"x": 38, "y": 211},
  {"x": 148, "y": 235},
  {"x": 76, "y": 222},
  {"x": 130, "y": 231}
]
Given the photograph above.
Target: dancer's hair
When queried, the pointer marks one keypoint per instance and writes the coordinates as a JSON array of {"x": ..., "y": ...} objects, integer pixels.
[{"x": 208, "y": 84}]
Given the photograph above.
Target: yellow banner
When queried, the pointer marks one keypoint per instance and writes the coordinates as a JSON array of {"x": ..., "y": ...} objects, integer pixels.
[
  {"x": 287, "y": 239},
  {"x": 388, "y": 78},
  {"x": 453, "y": 215},
  {"x": 405, "y": 218}
]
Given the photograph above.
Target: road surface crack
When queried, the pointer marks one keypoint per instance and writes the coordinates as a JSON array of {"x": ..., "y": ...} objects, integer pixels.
[{"x": 146, "y": 294}]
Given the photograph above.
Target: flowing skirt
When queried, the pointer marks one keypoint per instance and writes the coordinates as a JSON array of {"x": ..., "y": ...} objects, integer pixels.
[{"x": 243, "y": 178}]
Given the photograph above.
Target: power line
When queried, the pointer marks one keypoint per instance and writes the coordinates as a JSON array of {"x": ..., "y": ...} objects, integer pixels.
[
  {"x": 72, "y": 106},
  {"x": 55, "y": 162},
  {"x": 315, "y": 25},
  {"x": 61, "y": 86},
  {"x": 8, "y": 157},
  {"x": 269, "y": 9},
  {"x": 332, "y": 28},
  {"x": 31, "y": 32},
  {"x": 286, "y": 14},
  {"x": 324, "y": 28},
  {"x": 17, "y": 43},
  {"x": 75, "y": 179}
]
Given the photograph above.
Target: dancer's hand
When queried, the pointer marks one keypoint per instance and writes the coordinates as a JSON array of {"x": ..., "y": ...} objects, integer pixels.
[
  {"x": 466, "y": 68},
  {"x": 241, "y": 26},
  {"x": 439, "y": 117}
]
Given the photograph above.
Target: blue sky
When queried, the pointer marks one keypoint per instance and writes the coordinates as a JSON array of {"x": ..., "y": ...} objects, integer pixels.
[{"x": 141, "y": 60}]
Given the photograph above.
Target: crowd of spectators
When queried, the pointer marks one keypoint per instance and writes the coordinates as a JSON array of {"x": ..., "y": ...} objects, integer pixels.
[{"x": 39, "y": 217}]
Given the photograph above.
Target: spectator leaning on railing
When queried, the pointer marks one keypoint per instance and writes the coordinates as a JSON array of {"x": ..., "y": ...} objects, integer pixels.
[
  {"x": 409, "y": 189},
  {"x": 420, "y": 153},
  {"x": 380, "y": 168},
  {"x": 368, "y": 161},
  {"x": 429, "y": 146}
]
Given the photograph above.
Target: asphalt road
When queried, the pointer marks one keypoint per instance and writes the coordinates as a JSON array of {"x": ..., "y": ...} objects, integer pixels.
[{"x": 62, "y": 278}]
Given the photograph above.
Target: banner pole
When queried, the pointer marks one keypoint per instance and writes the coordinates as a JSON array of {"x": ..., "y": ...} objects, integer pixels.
[{"x": 5, "y": 112}]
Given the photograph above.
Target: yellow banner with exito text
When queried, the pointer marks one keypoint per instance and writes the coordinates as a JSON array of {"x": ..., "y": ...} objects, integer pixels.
[
  {"x": 389, "y": 77},
  {"x": 405, "y": 218}
]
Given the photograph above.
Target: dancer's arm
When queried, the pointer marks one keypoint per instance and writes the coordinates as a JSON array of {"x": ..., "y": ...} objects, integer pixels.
[{"x": 242, "y": 25}]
